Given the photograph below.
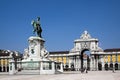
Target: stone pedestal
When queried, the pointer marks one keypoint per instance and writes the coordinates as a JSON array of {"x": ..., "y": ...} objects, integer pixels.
[
  {"x": 36, "y": 45},
  {"x": 37, "y": 58},
  {"x": 47, "y": 67},
  {"x": 61, "y": 67},
  {"x": 36, "y": 49},
  {"x": 11, "y": 67}
]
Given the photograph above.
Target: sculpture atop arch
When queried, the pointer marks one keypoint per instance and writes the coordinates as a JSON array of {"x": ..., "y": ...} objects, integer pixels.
[
  {"x": 86, "y": 42},
  {"x": 85, "y": 35}
]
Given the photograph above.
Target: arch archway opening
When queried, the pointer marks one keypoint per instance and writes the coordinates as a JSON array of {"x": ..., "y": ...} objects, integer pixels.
[
  {"x": 106, "y": 66},
  {"x": 111, "y": 66},
  {"x": 99, "y": 66},
  {"x": 85, "y": 59},
  {"x": 116, "y": 66}
]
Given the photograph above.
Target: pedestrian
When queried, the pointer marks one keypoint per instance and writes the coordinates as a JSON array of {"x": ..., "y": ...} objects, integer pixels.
[
  {"x": 113, "y": 70},
  {"x": 86, "y": 70}
]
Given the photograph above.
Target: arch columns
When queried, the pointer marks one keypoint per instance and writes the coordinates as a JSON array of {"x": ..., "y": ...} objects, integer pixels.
[
  {"x": 92, "y": 63},
  {"x": 86, "y": 42}
]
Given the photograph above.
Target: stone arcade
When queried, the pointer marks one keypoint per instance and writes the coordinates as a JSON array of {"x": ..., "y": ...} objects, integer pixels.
[{"x": 99, "y": 59}]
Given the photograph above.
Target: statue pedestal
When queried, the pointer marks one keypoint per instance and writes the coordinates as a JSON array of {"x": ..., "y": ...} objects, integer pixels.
[
  {"x": 36, "y": 44},
  {"x": 11, "y": 67},
  {"x": 37, "y": 57}
]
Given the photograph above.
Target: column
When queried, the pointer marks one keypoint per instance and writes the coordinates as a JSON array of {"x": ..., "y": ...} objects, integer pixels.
[
  {"x": 6, "y": 65},
  {"x": 41, "y": 67},
  {"x": 2, "y": 64},
  {"x": 102, "y": 61},
  {"x": 64, "y": 61},
  {"x": 74, "y": 62},
  {"x": 53, "y": 67},
  {"x": 94, "y": 63},
  {"x": 69, "y": 62},
  {"x": 79, "y": 63},
  {"x": 91, "y": 63},
  {"x": 61, "y": 65},
  {"x": 97, "y": 62},
  {"x": 116, "y": 57}
]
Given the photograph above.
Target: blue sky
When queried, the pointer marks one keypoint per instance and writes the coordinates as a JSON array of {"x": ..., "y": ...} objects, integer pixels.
[{"x": 62, "y": 22}]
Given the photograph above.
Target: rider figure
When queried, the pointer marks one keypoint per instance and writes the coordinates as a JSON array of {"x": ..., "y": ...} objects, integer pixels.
[{"x": 37, "y": 27}]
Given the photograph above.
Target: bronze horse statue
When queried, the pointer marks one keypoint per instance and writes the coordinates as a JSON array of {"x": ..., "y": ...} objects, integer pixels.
[{"x": 37, "y": 27}]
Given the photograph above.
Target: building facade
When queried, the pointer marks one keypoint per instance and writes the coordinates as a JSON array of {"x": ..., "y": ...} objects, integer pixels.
[
  {"x": 6, "y": 56},
  {"x": 74, "y": 60},
  {"x": 98, "y": 58}
]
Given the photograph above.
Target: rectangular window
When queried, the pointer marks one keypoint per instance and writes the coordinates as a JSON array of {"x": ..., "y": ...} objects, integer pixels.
[
  {"x": 60, "y": 59},
  {"x": 105, "y": 59},
  {"x": 113, "y": 58},
  {"x": 109, "y": 58},
  {"x": 55, "y": 58},
  {"x": 64, "y": 60}
]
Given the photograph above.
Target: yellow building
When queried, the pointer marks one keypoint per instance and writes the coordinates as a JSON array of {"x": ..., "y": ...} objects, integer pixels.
[
  {"x": 67, "y": 60},
  {"x": 5, "y": 57},
  {"x": 111, "y": 59}
]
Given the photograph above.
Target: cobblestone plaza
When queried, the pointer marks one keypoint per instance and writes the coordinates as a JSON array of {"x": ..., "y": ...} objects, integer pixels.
[{"x": 91, "y": 75}]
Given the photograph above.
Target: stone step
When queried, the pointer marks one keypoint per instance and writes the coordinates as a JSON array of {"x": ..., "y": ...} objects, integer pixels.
[
  {"x": 29, "y": 72},
  {"x": 58, "y": 72}
]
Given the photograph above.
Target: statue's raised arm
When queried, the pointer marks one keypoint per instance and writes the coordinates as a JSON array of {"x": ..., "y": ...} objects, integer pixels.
[{"x": 37, "y": 27}]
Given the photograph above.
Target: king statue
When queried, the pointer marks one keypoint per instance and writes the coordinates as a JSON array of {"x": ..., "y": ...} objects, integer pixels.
[{"x": 37, "y": 27}]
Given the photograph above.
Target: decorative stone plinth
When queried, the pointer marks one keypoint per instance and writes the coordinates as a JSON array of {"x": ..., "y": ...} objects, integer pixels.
[
  {"x": 35, "y": 56},
  {"x": 11, "y": 67},
  {"x": 37, "y": 59},
  {"x": 44, "y": 66},
  {"x": 47, "y": 67},
  {"x": 36, "y": 45}
]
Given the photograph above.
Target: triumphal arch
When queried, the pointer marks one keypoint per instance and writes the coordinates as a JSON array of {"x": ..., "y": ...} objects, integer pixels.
[
  {"x": 86, "y": 43},
  {"x": 76, "y": 58}
]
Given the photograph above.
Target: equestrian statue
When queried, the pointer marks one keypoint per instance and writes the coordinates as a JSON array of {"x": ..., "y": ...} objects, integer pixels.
[{"x": 37, "y": 27}]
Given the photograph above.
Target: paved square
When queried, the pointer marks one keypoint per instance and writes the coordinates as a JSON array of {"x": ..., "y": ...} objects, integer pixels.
[{"x": 91, "y": 75}]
